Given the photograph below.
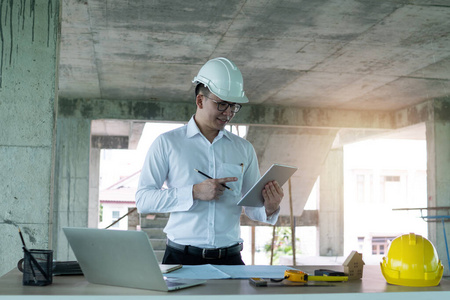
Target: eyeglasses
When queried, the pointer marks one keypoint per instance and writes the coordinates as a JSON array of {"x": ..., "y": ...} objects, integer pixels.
[{"x": 223, "y": 106}]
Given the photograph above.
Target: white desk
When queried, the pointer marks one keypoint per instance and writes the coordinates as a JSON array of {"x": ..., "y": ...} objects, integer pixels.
[{"x": 372, "y": 286}]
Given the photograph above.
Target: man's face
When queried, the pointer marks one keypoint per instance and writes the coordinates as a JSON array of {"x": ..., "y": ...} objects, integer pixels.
[{"x": 215, "y": 118}]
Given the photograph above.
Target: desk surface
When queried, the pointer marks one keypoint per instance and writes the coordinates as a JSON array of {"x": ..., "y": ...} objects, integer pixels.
[{"x": 372, "y": 282}]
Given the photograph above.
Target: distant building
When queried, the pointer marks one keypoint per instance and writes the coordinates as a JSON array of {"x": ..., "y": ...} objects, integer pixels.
[
  {"x": 383, "y": 176},
  {"x": 115, "y": 201}
]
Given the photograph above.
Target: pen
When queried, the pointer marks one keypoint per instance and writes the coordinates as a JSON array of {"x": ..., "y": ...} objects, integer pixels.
[
  {"x": 31, "y": 256},
  {"x": 21, "y": 237},
  {"x": 207, "y": 176},
  {"x": 33, "y": 260}
]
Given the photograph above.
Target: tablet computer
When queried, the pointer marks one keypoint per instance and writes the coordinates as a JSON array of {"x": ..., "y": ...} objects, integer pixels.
[{"x": 280, "y": 173}]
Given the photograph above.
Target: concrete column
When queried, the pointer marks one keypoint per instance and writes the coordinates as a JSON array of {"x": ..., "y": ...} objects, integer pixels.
[
  {"x": 94, "y": 187},
  {"x": 438, "y": 176},
  {"x": 331, "y": 207},
  {"x": 29, "y": 48},
  {"x": 71, "y": 207}
]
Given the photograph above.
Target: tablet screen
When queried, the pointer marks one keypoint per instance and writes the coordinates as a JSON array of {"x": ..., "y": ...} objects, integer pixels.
[{"x": 280, "y": 173}]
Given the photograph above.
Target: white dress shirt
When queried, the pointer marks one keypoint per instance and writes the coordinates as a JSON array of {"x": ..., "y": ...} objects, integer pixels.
[{"x": 172, "y": 158}]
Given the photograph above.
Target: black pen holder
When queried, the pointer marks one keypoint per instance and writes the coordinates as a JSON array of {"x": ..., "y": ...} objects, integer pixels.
[{"x": 37, "y": 267}]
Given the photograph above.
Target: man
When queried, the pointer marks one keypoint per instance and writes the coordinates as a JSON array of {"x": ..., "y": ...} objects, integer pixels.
[{"x": 203, "y": 227}]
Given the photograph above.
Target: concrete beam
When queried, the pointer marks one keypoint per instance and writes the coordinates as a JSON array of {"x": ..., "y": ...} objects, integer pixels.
[
  {"x": 313, "y": 117},
  {"x": 441, "y": 109},
  {"x": 262, "y": 115},
  {"x": 109, "y": 142},
  {"x": 436, "y": 109},
  {"x": 119, "y": 128},
  {"x": 126, "y": 110},
  {"x": 249, "y": 115},
  {"x": 419, "y": 113}
]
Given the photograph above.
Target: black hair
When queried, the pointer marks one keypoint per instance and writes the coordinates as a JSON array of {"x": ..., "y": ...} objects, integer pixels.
[{"x": 201, "y": 88}]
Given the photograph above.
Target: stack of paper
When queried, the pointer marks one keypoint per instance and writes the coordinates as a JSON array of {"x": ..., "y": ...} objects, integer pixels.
[{"x": 228, "y": 272}]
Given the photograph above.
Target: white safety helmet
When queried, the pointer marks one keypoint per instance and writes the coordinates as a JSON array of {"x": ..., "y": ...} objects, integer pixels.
[{"x": 223, "y": 78}]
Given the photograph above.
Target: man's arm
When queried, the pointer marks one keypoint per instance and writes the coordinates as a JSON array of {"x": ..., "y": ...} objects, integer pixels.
[{"x": 150, "y": 195}]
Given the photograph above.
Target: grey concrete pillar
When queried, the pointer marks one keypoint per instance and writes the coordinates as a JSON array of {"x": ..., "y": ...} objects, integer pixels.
[
  {"x": 29, "y": 49},
  {"x": 438, "y": 177},
  {"x": 71, "y": 207},
  {"x": 94, "y": 187},
  {"x": 331, "y": 207}
]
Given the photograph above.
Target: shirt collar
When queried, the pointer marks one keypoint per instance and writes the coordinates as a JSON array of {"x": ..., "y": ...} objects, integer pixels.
[{"x": 192, "y": 130}]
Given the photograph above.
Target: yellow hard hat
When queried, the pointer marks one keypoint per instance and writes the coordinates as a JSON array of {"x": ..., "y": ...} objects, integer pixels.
[{"x": 412, "y": 260}]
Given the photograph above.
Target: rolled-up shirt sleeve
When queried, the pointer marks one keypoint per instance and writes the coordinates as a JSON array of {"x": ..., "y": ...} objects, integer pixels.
[{"x": 259, "y": 214}]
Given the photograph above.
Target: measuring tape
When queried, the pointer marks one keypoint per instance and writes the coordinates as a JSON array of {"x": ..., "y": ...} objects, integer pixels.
[{"x": 299, "y": 276}]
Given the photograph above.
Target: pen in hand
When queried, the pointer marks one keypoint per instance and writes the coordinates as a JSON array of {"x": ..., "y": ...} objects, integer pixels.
[{"x": 207, "y": 176}]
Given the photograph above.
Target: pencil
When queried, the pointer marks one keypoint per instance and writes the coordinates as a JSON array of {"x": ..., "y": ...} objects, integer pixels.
[{"x": 207, "y": 176}]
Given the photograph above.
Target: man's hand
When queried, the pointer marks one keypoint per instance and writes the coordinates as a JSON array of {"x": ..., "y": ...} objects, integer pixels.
[
  {"x": 272, "y": 194},
  {"x": 211, "y": 189}
]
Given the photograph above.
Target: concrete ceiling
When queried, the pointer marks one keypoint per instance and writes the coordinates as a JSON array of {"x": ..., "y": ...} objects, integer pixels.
[
  {"x": 366, "y": 55},
  {"x": 328, "y": 55}
]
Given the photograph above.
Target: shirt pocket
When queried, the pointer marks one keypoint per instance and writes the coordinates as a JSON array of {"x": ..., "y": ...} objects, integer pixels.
[{"x": 232, "y": 170}]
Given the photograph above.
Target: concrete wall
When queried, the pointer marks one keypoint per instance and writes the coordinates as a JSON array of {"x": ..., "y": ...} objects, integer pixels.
[{"x": 28, "y": 88}]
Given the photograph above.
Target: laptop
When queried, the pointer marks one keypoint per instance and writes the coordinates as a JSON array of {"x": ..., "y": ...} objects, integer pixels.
[{"x": 121, "y": 258}]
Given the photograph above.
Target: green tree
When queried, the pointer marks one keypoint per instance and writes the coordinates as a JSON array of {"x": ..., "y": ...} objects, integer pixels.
[{"x": 282, "y": 243}]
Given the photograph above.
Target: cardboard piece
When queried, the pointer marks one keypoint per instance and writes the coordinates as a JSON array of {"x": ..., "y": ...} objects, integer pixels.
[{"x": 353, "y": 266}]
